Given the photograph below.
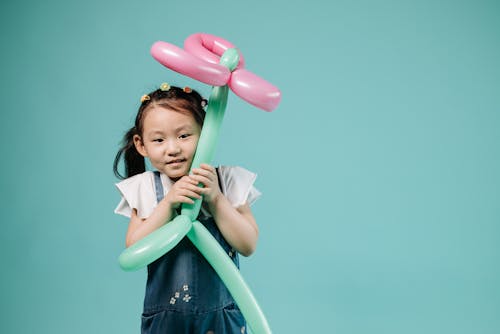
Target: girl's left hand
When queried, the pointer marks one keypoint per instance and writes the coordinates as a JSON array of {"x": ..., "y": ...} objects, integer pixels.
[{"x": 207, "y": 175}]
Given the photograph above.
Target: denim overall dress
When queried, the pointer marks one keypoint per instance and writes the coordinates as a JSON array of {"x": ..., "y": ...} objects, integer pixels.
[{"x": 183, "y": 292}]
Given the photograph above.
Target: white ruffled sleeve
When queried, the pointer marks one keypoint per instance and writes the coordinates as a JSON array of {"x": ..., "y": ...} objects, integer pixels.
[
  {"x": 237, "y": 185},
  {"x": 137, "y": 193}
]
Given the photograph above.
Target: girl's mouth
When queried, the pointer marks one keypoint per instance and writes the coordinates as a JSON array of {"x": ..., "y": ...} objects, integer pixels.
[{"x": 176, "y": 161}]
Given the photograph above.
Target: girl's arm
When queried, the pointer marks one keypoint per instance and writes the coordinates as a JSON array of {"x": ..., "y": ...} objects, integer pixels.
[
  {"x": 237, "y": 225},
  {"x": 182, "y": 191}
]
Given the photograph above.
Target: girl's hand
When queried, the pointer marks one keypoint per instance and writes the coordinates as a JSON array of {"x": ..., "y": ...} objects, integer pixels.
[
  {"x": 207, "y": 175},
  {"x": 184, "y": 190}
]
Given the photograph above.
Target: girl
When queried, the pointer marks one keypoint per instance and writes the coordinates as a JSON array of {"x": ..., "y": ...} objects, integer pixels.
[{"x": 183, "y": 293}]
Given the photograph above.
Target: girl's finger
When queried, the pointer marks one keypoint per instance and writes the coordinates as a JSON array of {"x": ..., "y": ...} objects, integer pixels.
[
  {"x": 208, "y": 167},
  {"x": 204, "y": 172},
  {"x": 188, "y": 185},
  {"x": 184, "y": 199},
  {"x": 205, "y": 191},
  {"x": 203, "y": 180},
  {"x": 187, "y": 179},
  {"x": 190, "y": 193},
  {"x": 194, "y": 187}
]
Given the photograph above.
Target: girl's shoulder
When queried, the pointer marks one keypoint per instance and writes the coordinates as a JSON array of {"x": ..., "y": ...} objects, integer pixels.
[
  {"x": 136, "y": 179},
  {"x": 236, "y": 174},
  {"x": 237, "y": 184},
  {"x": 138, "y": 193},
  {"x": 236, "y": 170}
]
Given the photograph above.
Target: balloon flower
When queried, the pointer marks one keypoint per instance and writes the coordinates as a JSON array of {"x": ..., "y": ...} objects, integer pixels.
[{"x": 214, "y": 61}]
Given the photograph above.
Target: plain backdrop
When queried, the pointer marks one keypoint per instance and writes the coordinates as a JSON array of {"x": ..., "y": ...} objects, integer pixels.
[{"x": 379, "y": 169}]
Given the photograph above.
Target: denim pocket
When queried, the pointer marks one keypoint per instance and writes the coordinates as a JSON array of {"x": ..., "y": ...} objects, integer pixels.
[
  {"x": 153, "y": 322},
  {"x": 233, "y": 316}
]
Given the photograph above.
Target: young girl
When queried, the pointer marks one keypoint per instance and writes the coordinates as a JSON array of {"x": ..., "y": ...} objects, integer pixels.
[{"x": 183, "y": 293}]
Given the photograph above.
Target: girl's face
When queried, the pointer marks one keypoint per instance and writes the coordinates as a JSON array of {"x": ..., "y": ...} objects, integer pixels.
[{"x": 169, "y": 140}]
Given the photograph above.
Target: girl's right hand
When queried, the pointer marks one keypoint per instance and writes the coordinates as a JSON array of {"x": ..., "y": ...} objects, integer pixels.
[{"x": 183, "y": 190}]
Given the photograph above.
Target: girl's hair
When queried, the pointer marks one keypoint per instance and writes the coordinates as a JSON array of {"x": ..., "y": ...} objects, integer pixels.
[{"x": 185, "y": 100}]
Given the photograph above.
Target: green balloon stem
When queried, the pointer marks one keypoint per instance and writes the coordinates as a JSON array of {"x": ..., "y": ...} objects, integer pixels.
[
  {"x": 154, "y": 245},
  {"x": 207, "y": 143},
  {"x": 205, "y": 150},
  {"x": 230, "y": 275}
]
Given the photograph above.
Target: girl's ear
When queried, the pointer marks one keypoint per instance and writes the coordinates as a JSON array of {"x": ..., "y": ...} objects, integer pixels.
[{"x": 139, "y": 146}]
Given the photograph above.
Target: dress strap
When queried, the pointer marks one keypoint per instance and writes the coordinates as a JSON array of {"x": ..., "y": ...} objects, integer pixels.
[
  {"x": 219, "y": 179},
  {"x": 158, "y": 186}
]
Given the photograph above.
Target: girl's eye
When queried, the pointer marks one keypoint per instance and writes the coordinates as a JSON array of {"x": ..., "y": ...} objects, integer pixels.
[
  {"x": 184, "y": 136},
  {"x": 158, "y": 140}
]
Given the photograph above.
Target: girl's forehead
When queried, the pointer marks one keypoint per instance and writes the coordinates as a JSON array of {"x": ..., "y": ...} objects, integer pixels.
[
  {"x": 165, "y": 118},
  {"x": 159, "y": 112}
]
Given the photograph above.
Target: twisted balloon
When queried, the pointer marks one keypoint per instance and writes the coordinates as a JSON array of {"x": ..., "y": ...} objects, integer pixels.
[{"x": 215, "y": 61}]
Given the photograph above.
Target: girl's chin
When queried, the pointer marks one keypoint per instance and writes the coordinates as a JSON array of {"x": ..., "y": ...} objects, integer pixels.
[
  {"x": 174, "y": 172},
  {"x": 175, "y": 175}
]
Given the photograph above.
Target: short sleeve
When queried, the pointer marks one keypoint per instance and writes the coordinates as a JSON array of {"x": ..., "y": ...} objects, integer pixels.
[
  {"x": 137, "y": 193},
  {"x": 237, "y": 184}
]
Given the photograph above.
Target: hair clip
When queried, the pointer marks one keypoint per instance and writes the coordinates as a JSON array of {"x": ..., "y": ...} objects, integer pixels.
[
  {"x": 187, "y": 89},
  {"x": 145, "y": 97},
  {"x": 204, "y": 103},
  {"x": 164, "y": 87}
]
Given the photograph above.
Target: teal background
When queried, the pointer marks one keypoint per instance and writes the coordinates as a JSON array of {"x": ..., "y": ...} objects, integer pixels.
[{"x": 380, "y": 168}]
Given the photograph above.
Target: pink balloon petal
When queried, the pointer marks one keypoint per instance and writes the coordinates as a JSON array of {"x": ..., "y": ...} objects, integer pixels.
[
  {"x": 209, "y": 47},
  {"x": 187, "y": 64},
  {"x": 254, "y": 90}
]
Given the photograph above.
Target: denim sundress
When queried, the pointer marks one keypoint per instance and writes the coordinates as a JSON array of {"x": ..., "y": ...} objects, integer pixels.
[{"x": 183, "y": 292}]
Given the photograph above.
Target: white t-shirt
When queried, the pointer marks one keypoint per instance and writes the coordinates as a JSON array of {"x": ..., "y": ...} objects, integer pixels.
[{"x": 138, "y": 191}]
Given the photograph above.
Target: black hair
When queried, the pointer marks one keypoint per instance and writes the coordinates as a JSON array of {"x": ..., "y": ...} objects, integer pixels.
[{"x": 173, "y": 98}]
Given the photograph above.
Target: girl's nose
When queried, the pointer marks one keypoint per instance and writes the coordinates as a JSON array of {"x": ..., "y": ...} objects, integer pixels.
[{"x": 173, "y": 148}]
